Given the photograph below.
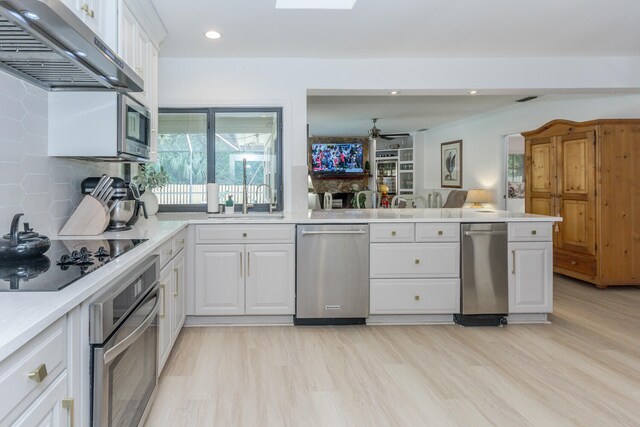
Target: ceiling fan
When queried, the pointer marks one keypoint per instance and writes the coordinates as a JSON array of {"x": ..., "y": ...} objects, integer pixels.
[{"x": 374, "y": 132}]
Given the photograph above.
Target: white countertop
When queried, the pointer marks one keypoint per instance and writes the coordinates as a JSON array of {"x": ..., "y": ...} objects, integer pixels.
[
  {"x": 368, "y": 215},
  {"x": 24, "y": 315}
]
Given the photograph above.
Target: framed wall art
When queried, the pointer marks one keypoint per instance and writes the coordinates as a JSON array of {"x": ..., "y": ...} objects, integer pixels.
[{"x": 451, "y": 164}]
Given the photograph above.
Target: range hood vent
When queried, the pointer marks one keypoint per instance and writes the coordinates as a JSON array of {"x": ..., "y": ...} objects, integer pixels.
[{"x": 57, "y": 51}]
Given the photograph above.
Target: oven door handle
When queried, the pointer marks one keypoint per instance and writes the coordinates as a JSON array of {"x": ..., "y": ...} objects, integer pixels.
[{"x": 127, "y": 342}]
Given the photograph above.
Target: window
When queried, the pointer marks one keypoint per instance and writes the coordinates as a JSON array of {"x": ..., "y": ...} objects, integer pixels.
[{"x": 197, "y": 146}]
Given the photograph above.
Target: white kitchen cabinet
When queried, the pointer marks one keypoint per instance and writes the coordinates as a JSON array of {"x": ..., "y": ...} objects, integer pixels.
[
  {"x": 164, "y": 316},
  {"x": 245, "y": 279},
  {"x": 416, "y": 270},
  {"x": 414, "y": 260},
  {"x": 219, "y": 280},
  {"x": 99, "y": 15},
  {"x": 52, "y": 408},
  {"x": 414, "y": 296},
  {"x": 172, "y": 296},
  {"x": 270, "y": 279},
  {"x": 178, "y": 300},
  {"x": 530, "y": 277},
  {"x": 34, "y": 381},
  {"x": 128, "y": 35}
]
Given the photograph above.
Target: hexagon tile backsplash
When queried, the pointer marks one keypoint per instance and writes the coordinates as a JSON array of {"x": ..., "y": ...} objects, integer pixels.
[{"x": 45, "y": 189}]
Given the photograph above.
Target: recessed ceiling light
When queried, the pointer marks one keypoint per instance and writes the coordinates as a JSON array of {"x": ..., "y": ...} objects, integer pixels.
[
  {"x": 473, "y": 92},
  {"x": 31, "y": 15},
  {"x": 212, "y": 35},
  {"x": 81, "y": 54},
  {"x": 394, "y": 92},
  {"x": 315, "y": 4}
]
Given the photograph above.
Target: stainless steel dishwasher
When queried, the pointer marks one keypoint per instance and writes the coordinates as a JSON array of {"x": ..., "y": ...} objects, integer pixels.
[
  {"x": 332, "y": 274},
  {"x": 484, "y": 285}
]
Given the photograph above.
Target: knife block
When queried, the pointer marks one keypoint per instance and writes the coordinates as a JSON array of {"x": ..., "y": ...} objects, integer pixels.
[{"x": 90, "y": 218}]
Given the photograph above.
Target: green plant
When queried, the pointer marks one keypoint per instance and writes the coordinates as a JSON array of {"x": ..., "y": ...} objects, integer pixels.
[{"x": 151, "y": 177}]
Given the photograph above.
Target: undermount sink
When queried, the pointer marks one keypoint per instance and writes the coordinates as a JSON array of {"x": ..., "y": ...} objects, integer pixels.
[{"x": 249, "y": 216}]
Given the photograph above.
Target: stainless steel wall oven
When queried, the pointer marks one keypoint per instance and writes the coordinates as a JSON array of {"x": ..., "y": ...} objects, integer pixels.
[{"x": 123, "y": 337}]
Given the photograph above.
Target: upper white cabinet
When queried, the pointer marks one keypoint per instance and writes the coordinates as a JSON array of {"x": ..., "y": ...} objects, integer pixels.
[
  {"x": 140, "y": 34},
  {"x": 100, "y": 16}
]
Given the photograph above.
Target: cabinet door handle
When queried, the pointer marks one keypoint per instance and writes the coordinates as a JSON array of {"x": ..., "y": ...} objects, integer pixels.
[
  {"x": 39, "y": 374},
  {"x": 244, "y": 234},
  {"x": 177, "y": 272},
  {"x": 513, "y": 265},
  {"x": 440, "y": 233},
  {"x": 393, "y": 233},
  {"x": 86, "y": 10},
  {"x": 534, "y": 232},
  {"x": 181, "y": 241},
  {"x": 248, "y": 264},
  {"x": 162, "y": 290},
  {"x": 240, "y": 264},
  {"x": 69, "y": 406},
  {"x": 417, "y": 298}
]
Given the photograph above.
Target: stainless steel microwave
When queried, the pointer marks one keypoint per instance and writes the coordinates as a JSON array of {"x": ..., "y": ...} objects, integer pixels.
[
  {"x": 104, "y": 126},
  {"x": 134, "y": 129}
]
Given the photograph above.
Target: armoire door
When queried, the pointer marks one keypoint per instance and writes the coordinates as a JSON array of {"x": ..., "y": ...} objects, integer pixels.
[
  {"x": 540, "y": 176},
  {"x": 575, "y": 192}
]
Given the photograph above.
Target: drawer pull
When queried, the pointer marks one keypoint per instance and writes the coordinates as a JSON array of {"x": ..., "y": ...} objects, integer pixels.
[
  {"x": 177, "y": 273},
  {"x": 68, "y": 405},
  {"x": 534, "y": 232},
  {"x": 513, "y": 265},
  {"x": 244, "y": 234},
  {"x": 181, "y": 241},
  {"x": 169, "y": 252},
  {"x": 393, "y": 233},
  {"x": 417, "y": 261},
  {"x": 162, "y": 286},
  {"x": 39, "y": 374},
  {"x": 417, "y": 297},
  {"x": 440, "y": 233}
]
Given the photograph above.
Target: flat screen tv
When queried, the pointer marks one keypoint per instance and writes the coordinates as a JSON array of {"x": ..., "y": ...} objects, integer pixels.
[{"x": 337, "y": 159}]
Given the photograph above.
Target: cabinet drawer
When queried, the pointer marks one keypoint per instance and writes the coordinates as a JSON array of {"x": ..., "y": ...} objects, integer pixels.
[
  {"x": 530, "y": 231},
  {"x": 391, "y": 260},
  {"x": 239, "y": 233},
  {"x": 414, "y": 296},
  {"x": 49, "y": 350},
  {"x": 584, "y": 265},
  {"x": 398, "y": 232},
  {"x": 179, "y": 241},
  {"x": 438, "y": 232},
  {"x": 166, "y": 252}
]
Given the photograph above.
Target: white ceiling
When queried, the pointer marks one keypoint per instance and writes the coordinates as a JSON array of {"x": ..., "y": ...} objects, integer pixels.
[
  {"x": 403, "y": 28},
  {"x": 351, "y": 115}
]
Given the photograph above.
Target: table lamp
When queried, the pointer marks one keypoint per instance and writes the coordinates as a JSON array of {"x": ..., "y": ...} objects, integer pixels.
[{"x": 477, "y": 196}]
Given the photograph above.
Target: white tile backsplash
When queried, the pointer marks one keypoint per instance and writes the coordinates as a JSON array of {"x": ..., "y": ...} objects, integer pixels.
[{"x": 45, "y": 189}]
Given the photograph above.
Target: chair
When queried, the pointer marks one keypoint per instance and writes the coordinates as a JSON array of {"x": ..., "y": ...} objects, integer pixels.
[
  {"x": 434, "y": 199},
  {"x": 408, "y": 201},
  {"x": 455, "y": 199},
  {"x": 367, "y": 199}
]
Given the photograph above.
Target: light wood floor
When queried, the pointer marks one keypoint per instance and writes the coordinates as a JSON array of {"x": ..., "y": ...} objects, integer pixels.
[{"x": 584, "y": 369}]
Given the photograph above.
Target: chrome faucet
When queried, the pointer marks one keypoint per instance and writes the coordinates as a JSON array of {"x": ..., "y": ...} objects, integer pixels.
[
  {"x": 245, "y": 196},
  {"x": 270, "y": 195}
]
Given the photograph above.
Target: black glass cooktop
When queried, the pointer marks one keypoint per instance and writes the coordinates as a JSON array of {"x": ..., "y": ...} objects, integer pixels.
[{"x": 65, "y": 262}]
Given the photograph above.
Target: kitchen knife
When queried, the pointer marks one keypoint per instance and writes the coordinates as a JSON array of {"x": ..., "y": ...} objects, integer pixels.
[
  {"x": 108, "y": 194},
  {"x": 105, "y": 188},
  {"x": 99, "y": 185}
]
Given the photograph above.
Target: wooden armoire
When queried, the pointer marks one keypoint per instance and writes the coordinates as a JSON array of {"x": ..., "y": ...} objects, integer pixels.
[{"x": 589, "y": 174}]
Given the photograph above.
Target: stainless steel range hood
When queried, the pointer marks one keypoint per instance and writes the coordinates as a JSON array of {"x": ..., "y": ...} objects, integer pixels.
[{"x": 45, "y": 43}]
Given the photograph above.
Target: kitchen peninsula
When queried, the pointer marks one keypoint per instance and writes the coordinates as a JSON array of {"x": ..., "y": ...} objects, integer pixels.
[{"x": 240, "y": 269}]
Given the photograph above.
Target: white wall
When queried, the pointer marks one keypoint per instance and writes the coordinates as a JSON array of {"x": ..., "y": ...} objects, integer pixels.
[
  {"x": 45, "y": 189},
  {"x": 189, "y": 82},
  {"x": 482, "y": 152}
]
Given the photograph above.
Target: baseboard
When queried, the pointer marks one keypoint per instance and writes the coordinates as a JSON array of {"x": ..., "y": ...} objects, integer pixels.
[
  {"x": 521, "y": 318},
  {"x": 238, "y": 320},
  {"x": 410, "y": 319}
]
